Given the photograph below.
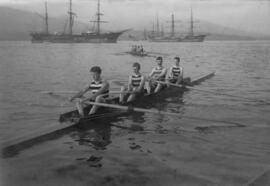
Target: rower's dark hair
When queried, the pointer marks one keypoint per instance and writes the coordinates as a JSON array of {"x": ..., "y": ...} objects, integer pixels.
[
  {"x": 177, "y": 58},
  {"x": 96, "y": 69},
  {"x": 159, "y": 58},
  {"x": 136, "y": 64}
]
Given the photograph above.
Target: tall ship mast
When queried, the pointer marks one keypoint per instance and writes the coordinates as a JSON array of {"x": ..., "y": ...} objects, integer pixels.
[
  {"x": 98, "y": 18},
  {"x": 190, "y": 37},
  {"x": 46, "y": 19},
  {"x": 71, "y": 18},
  {"x": 172, "y": 26},
  {"x": 86, "y": 37}
]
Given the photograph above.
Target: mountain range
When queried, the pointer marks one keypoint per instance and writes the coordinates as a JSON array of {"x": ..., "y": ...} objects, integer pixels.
[{"x": 17, "y": 24}]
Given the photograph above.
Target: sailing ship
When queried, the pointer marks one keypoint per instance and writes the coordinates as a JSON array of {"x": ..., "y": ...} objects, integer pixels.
[
  {"x": 157, "y": 36},
  {"x": 87, "y": 37}
]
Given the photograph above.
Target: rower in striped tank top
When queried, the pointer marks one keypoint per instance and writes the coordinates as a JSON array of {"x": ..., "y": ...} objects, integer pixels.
[
  {"x": 95, "y": 86},
  {"x": 99, "y": 89},
  {"x": 175, "y": 74},
  {"x": 157, "y": 74},
  {"x": 135, "y": 85}
]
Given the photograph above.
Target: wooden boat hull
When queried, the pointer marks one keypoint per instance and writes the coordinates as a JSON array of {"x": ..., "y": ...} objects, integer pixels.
[
  {"x": 73, "y": 116},
  {"x": 139, "y": 54}
]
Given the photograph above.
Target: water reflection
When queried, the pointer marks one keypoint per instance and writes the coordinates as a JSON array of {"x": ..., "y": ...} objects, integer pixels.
[
  {"x": 136, "y": 117},
  {"x": 97, "y": 133}
]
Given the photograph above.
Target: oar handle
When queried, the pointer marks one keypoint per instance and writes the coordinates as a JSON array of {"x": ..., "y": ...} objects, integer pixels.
[
  {"x": 111, "y": 92},
  {"x": 73, "y": 91},
  {"x": 59, "y": 92}
]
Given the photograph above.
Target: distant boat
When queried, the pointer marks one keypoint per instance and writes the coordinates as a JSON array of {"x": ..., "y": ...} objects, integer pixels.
[
  {"x": 137, "y": 50},
  {"x": 87, "y": 37},
  {"x": 157, "y": 36}
]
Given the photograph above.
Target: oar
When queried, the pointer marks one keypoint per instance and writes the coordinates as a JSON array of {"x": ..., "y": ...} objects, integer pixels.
[
  {"x": 212, "y": 92},
  {"x": 119, "y": 82},
  {"x": 69, "y": 92},
  {"x": 58, "y": 92},
  {"x": 72, "y": 92},
  {"x": 136, "y": 109}
]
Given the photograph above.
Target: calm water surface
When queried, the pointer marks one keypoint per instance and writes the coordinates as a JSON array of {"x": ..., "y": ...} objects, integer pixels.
[{"x": 242, "y": 69}]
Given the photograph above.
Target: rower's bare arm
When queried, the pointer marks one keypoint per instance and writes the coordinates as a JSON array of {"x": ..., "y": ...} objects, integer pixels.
[
  {"x": 164, "y": 73},
  {"x": 151, "y": 74},
  {"x": 180, "y": 77},
  {"x": 142, "y": 83},
  {"x": 182, "y": 73},
  {"x": 169, "y": 74},
  {"x": 129, "y": 83},
  {"x": 80, "y": 93}
]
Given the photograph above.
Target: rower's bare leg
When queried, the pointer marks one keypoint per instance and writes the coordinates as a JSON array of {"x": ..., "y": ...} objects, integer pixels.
[
  {"x": 168, "y": 82},
  {"x": 131, "y": 97},
  {"x": 179, "y": 80},
  {"x": 148, "y": 87},
  {"x": 99, "y": 99},
  {"x": 121, "y": 96},
  {"x": 158, "y": 88},
  {"x": 79, "y": 105}
]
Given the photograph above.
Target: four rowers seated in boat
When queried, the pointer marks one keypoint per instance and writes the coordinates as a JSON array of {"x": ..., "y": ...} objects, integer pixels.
[
  {"x": 135, "y": 85},
  {"x": 99, "y": 89},
  {"x": 156, "y": 77}
]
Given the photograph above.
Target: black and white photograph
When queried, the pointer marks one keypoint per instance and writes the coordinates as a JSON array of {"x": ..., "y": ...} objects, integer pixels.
[{"x": 134, "y": 92}]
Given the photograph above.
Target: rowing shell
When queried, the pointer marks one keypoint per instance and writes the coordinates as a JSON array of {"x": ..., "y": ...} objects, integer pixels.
[
  {"x": 71, "y": 119},
  {"x": 137, "y": 54},
  {"x": 73, "y": 116}
]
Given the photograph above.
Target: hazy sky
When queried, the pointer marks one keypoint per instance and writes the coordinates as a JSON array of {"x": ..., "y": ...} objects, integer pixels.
[{"x": 248, "y": 15}]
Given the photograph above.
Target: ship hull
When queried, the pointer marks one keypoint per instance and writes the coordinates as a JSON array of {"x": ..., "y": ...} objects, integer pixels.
[
  {"x": 110, "y": 37},
  {"x": 196, "y": 38},
  {"x": 153, "y": 39}
]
